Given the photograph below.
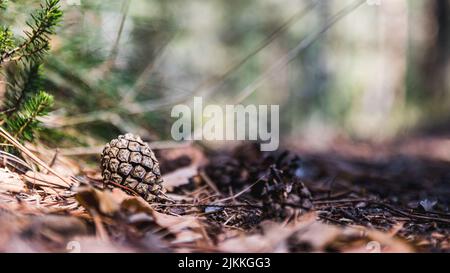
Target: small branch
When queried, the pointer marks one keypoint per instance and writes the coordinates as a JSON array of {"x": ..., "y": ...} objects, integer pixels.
[
  {"x": 209, "y": 182},
  {"x": 27, "y": 152},
  {"x": 209, "y": 205},
  {"x": 243, "y": 191},
  {"x": 412, "y": 216}
]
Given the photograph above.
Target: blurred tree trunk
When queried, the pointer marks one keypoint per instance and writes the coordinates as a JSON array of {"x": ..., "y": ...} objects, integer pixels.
[
  {"x": 436, "y": 59},
  {"x": 311, "y": 67},
  {"x": 393, "y": 57},
  {"x": 383, "y": 98}
]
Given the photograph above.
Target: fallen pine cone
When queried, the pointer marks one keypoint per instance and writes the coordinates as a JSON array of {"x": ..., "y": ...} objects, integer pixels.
[
  {"x": 129, "y": 162},
  {"x": 282, "y": 195}
]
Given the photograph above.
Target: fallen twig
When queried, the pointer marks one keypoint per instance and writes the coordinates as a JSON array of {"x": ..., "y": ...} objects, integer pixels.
[{"x": 27, "y": 152}]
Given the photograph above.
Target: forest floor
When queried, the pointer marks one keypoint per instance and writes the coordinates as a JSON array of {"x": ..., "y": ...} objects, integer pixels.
[{"x": 353, "y": 197}]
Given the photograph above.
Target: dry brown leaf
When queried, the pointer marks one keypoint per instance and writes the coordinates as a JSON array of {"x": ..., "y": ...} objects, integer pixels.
[
  {"x": 179, "y": 177},
  {"x": 388, "y": 243},
  {"x": 192, "y": 151},
  {"x": 41, "y": 179},
  {"x": 184, "y": 228},
  {"x": 273, "y": 238},
  {"x": 62, "y": 164},
  {"x": 106, "y": 202},
  {"x": 319, "y": 237},
  {"x": 10, "y": 182},
  {"x": 94, "y": 245},
  {"x": 37, "y": 233}
]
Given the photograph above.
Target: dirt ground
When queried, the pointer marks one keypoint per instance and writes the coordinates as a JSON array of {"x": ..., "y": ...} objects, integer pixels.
[{"x": 347, "y": 197}]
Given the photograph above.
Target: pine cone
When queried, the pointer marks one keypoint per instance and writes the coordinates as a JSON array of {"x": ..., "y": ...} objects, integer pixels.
[
  {"x": 282, "y": 194},
  {"x": 128, "y": 161},
  {"x": 226, "y": 172}
]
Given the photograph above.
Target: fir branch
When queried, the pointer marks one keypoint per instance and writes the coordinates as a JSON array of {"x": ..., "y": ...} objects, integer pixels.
[
  {"x": 3, "y": 4},
  {"x": 24, "y": 123},
  {"x": 24, "y": 82},
  {"x": 36, "y": 43},
  {"x": 6, "y": 40},
  {"x": 23, "y": 102}
]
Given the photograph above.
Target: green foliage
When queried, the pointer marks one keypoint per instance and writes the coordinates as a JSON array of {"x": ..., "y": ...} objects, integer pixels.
[
  {"x": 23, "y": 82},
  {"x": 21, "y": 58},
  {"x": 6, "y": 40},
  {"x": 25, "y": 123},
  {"x": 36, "y": 41},
  {"x": 2, "y": 4}
]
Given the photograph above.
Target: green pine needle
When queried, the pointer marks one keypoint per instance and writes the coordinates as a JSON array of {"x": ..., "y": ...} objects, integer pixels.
[
  {"x": 24, "y": 102},
  {"x": 36, "y": 42},
  {"x": 3, "y": 4},
  {"x": 24, "y": 81},
  {"x": 24, "y": 123},
  {"x": 6, "y": 40}
]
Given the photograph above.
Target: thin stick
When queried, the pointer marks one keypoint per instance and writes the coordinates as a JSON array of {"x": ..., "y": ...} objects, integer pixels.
[
  {"x": 386, "y": 206},
  {"x": 208, "y": 205},
  {"x": 326, "y": 202},
  {"x": 229, "y": 219},
  {"x": 115, "y": 49},
  {"x": 9, "y": 157},
  {"x": 208, "y": 181},
  {"x": 409, "y": 215},
  {"x": 241, "y": 192},
  {"x": 43, "y": 182},
  {"x": 26, "y": 151}
]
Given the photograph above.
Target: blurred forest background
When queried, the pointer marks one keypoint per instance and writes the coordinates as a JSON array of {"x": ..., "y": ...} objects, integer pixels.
[{"x": 379, "y": 72}]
